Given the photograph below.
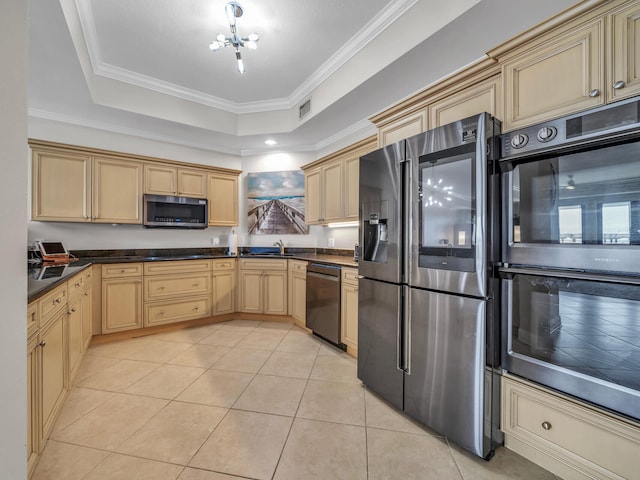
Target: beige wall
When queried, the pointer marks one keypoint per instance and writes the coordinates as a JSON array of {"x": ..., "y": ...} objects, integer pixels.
[{"x": 13, "y": 214}]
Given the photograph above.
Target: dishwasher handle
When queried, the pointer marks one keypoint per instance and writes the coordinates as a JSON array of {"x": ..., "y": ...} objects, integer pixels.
[{"x": 324, "y": 276}]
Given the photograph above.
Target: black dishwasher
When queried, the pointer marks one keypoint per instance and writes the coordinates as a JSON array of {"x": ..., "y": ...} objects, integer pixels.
[{"x": 323, "y": 301}]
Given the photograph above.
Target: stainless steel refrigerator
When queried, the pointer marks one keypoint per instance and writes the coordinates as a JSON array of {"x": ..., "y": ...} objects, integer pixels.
[{"x": 429, "y": 236}]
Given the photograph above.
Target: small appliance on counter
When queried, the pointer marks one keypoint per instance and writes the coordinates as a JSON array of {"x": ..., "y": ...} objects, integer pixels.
[{"x": 53, "y": 252}]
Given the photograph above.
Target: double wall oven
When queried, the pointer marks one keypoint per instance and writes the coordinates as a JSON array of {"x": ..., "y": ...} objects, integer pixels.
[{"x": 570, "y": 279}]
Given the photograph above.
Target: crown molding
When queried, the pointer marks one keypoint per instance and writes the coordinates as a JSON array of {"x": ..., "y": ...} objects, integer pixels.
[{"x": 372, "y": 29}]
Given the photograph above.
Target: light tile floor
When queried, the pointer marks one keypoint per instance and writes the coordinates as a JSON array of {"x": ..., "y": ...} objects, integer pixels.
[{"x": 244, "y": 399}]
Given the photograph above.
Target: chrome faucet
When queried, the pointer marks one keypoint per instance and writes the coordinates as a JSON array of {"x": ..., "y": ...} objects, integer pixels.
[{"x": 280, "y": 244}]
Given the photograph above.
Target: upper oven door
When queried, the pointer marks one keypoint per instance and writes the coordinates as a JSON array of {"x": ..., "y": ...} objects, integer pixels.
[
  {"x": 448, "y": 208},
  {"x": 577, "y": 210}
]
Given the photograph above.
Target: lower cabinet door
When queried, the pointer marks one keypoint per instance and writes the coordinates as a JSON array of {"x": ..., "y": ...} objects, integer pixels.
[
  {"x": 53, "y": 369},
  {"x": 275, "y": 293},
  {"x": 251, "y": 291},
  {"x": 87, "y": 318},
  {"x": 33, "y": 417},
  {"x": 224, "y": 292},
  {"x": 76, "y": 341},
  {"x": 349, "y": 314},
  {"x": 121, "y": 304},
  {"x": 176, "y": 311},
  {"x": 298, "y": 298}
]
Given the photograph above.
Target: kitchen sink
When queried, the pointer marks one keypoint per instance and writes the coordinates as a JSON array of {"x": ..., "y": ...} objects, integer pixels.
[{"x": 266, "y": 254}]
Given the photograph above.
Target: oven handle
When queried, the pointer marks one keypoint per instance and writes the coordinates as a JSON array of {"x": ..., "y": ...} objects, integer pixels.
[{"x": 508, "y": 273}]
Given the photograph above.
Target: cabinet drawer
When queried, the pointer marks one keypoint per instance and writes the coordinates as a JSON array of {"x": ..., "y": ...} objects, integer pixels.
[
  {"x": 263, "y": 264},
  {"x": 75, "y": 285},
  {"x": 297, "y": 266},
  {"x": 159, "y": 313},
  {"x": 606, "y": 445},
  {"x": 350, "y": 276},
  {"x": 52, "y": 302},
  {"x": 172, "y": 285},
  {"x": 226, "y": 264},
  {"x": 33, "y": 322},
  {"x": 118, "y": 270},
  {"x": 177, "y": 266}
]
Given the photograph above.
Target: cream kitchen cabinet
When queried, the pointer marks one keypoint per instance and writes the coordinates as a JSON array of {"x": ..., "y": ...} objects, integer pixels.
[
  {"x": 263, "y": 286},
  {"x": 406, "y": 126},
  {"x": 33, "y": 388},
  {"x": 456, "y": 104},
  {"x": 223, "y": 199},
  {"x": 170, "y": 180},
  {"x": 79, "y": 318},
  {"x": 121, "y": 297},
  {"x": 52, "y": 370},
  {"x": 624, "y": 52},
  {"x": 563, "y": 73},
  {"x": 349, "y": 310},
  {"x": 567, "y": 437},
  {"x": 324, "y": 187},
  {"x": 87, "y": 308},
  {"x": 176, "y": 291},
  {"x": 298, "y": 291},
  {"x": 223, "y": 282},
  {"x": 117, "y": 191},
  {"x": 72, "y": 187},
  {"x": 332, "y": 183},
  {"x": 81, "y": 184},
  {"x": 61, "y": 186},
  {"x": 589, "y": 61}
]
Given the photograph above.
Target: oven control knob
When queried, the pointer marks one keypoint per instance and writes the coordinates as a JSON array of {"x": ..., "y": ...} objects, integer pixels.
[
  {"x": 546, "y": 134},
  {"x": 519, "y": 140}
]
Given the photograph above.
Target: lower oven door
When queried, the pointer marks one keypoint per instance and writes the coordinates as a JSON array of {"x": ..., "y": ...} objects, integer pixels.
[{"x": 576, "y": 333}]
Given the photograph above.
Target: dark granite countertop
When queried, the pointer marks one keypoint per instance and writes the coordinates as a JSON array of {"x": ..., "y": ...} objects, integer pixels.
[{"x": 42, "y": 280}]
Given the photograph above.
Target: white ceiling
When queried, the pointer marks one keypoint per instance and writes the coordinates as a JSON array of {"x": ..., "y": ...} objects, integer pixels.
[{"x": 143, "y": 67}]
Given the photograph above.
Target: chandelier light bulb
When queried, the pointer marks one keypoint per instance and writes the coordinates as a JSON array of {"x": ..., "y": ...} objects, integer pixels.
[{"x": 240, "y": 65}]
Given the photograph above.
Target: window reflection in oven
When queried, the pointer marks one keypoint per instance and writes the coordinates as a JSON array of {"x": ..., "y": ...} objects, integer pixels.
[
  {"x": 590, "y": 197},
  {"x": 586, "y": 326}
]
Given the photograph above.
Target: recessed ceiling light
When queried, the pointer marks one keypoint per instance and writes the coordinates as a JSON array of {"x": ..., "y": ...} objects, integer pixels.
[{"x": 270, "y": 142}]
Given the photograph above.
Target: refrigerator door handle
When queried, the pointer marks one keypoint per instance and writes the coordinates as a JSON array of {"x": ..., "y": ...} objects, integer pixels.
[
  {"x": 404, "y": 333},
  {"x": 408, "y": 215}
]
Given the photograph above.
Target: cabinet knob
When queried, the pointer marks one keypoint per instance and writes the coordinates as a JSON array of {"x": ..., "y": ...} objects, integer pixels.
[
  {"x": 57, "y": 300},
  {"x": 78, "y": 284},
  {"x": 196, "y": 308},
  {"x": 122, "y": 270},
  {"x": 86, "y": 294},
  {"x": 161, "y": 312},
  {"x": 195, "y": 285},
  {"x": 42, "y": 343},
  {"x": 594, "y": 93},
  {"x": 619, "y": 84},
  {"x": 546, "y": 425},
  {"x": 161, "y": 287},
  {"x": 73, "y": 310}
]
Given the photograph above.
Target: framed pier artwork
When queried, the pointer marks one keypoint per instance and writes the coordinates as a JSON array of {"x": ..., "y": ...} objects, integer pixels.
[{"x": 275, "y": 203}]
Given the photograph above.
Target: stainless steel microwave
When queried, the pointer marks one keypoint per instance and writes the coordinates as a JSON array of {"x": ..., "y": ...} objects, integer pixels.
[{"x": 165, "y": 211}]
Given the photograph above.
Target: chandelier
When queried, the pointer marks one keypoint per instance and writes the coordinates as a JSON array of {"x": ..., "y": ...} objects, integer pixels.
[{"x": 234, "y": 10}]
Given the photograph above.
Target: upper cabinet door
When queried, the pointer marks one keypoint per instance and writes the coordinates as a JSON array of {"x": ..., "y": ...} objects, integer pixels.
[
  {"x": 352, "y": 185},
  {"x": 117, "y": 191},
  {"x": 61, "y": 188},
  {"x": 562, "y": 74},
  {"x": 332, "y": 191},
  {"x": 313, "y": 189},
  {"x": 624, "y": 78},
  {"x": 192, "y": 183},
  {"x": 223, "y": 199},
  {"x": 404, "y": 127},
  {"x": 485, "y": 96},
  {"x": 160, "y": 180}
]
